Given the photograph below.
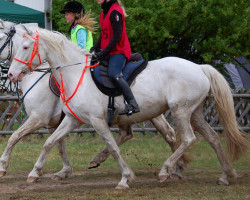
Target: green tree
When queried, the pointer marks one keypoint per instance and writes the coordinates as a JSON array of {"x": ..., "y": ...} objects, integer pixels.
[{"x": 200, "y": 31}]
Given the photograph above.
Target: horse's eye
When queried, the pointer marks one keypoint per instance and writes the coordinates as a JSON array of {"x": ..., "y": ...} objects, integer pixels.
[{"x": 25, "y": 48}]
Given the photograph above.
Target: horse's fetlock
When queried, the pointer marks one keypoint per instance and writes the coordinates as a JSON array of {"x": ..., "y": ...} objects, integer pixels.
[
  {"x": 126, "y": 174},
  {"x": 3, "y": 164}
]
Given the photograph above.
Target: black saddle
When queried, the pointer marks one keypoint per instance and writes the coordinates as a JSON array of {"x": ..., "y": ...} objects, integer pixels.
[{"x": 134, "y": 66}]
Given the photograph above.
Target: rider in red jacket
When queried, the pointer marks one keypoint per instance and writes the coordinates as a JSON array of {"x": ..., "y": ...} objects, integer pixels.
[{"x": 114, "y": 42}]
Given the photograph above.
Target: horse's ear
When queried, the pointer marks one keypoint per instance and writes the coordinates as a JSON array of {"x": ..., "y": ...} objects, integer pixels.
[
  {"x": 27, "y": 30},
  {"x": 2, "y": 25}
]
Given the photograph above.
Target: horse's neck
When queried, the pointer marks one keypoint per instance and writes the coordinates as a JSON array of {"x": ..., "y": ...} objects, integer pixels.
[
  {"x": 69, "y": 79},
  {"x": 74, "y": 56},
  {"x": 71, "y": 73}
]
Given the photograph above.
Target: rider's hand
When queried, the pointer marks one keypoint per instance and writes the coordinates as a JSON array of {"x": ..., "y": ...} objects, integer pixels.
[
  {"x": 98, "y": 55},
  {"x": 92, "y": 49}
]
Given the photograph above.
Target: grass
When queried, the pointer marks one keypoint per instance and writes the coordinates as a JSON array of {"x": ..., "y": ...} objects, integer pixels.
[{"x": 145, "y": 155}]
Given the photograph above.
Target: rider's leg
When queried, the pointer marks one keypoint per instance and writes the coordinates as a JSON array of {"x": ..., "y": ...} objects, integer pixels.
[{"x": 116, "y": 63}]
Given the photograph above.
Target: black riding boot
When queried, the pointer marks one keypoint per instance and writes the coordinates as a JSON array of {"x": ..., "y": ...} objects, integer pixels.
[{"x": 131, "y": 106}]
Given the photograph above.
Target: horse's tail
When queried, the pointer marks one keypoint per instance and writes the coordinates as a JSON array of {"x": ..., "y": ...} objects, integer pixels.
[{"x": 237, "y": 144}]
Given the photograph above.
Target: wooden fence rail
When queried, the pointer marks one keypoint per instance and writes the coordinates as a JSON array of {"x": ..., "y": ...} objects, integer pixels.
[{"x": 13, "y": 115}]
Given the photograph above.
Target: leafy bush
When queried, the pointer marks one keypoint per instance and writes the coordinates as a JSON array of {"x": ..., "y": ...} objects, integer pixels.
[{"x": 200, "y": 31}]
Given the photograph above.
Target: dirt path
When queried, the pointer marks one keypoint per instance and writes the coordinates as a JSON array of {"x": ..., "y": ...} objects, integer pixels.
[
  {"x": 100, "y": 185},
  {"x": 14, "y": 183}
]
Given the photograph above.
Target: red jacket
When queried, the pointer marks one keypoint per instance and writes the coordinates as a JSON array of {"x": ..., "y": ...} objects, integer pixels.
[{"x": 123, "y": 46}]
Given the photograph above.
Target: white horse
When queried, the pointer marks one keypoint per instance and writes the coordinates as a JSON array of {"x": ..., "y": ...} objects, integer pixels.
[
  {"x": 168, "y": 83},
  {"x": 46, "y": 111},
  {"x": 42, "y": 110}
]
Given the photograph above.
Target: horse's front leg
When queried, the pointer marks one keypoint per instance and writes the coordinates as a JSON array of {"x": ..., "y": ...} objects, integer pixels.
[
  {"x": 31, "y": 124},
  {"x": 67, "y": 167},
  {"x": 67, "y": 125},
  {"x": 102, "y": 129},
  {"x": 125, "y": 134}
]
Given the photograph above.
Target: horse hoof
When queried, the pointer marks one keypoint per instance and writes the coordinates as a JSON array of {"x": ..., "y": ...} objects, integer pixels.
[
  {"x": 93, "y": 165},
  {"x": 2, "y": 173},
  {"x": 122, "y": 187},
  {"x": 175, "y": 176},
  {"x": 163, "y": 178},
  {"x": 56, "y": 178},
  {"x": 222, "y": 182},
  {"x": 32, "y": 179}
]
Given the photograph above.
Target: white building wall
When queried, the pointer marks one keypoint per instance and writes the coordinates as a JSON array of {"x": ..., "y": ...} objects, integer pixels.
[
  {"x": 34, "y": 4},
  {"x": 40, "y": 5}
]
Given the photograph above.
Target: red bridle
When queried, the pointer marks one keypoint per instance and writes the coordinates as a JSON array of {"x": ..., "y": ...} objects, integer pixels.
[
  {"x": 34, "y": 52},
  {"x": 62, "y": 91}
]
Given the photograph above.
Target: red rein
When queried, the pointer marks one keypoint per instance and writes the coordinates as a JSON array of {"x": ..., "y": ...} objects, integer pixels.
[
  {"x": 62, "y": 91},
  {"x": 34, "y": 52}
]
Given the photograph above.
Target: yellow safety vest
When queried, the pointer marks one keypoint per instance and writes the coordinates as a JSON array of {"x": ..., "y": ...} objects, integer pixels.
[{"x": 89, "y": 42}]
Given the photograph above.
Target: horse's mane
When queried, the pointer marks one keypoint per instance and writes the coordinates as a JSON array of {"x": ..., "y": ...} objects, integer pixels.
[
  {"x": 55, "y": 40},
  {"x": 58, "y": 42},
  {"x": 6, "y": 24}
]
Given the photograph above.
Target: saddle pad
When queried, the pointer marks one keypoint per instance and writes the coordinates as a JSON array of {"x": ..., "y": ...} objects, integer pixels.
[
  {"x": 104, "y": 83},
  {"x": 53, "y": 87}
]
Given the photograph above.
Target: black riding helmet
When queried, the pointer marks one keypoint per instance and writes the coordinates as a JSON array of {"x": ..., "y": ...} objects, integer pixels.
[{"x": 74, "y": 7}]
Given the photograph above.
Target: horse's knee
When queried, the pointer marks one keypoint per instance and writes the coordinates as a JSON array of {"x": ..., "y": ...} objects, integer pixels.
[
  {"x": 189, "y": 140},
  {"x": 214, "y": 139},
  {"x": 48, "y": 144}
]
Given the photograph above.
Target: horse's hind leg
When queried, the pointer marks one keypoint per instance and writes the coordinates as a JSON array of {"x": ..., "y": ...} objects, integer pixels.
[
  {"x": 168, "y": 133},
  {"x": 125, "y": 134},
  {"x": 181, "y": 117},
  {"x": 213, "y": 139},
  {"x": 67, "y": 167},
  {"x": 27, "y": 128}
]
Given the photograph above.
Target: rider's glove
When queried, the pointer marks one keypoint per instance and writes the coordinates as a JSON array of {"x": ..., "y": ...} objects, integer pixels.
[
  {"x": 98, "y": 55},
  {"x": 92, "y": 49}
]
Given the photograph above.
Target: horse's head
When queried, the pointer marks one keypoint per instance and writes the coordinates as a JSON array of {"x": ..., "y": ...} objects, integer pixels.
[
  {"x": 4, "y": 40},
  {"x": 3, "y": 48},
  {"x": 29, "y": 55}
]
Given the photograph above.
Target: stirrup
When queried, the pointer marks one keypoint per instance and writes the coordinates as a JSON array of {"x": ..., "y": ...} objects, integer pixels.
[
  {"x": 111, "y": 115},
  {"x": 112, "y": 111},
  {"x": 129, "y": 110},
  {"x": 126, "y": 111}
]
